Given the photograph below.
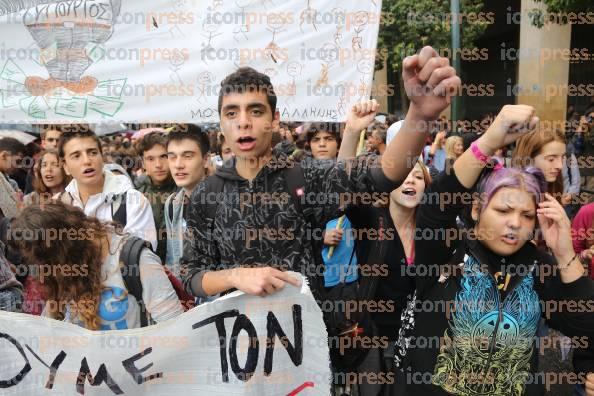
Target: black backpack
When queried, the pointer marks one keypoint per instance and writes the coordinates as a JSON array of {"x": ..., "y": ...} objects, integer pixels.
[
  {"x": 130, "y": 269},
  {"x": 340, "y": 327}
]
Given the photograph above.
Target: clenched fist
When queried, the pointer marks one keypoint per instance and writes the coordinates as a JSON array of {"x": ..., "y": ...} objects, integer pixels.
[
  {"x": 510, "y": 124},
  {"x": 429, "y": 81}
]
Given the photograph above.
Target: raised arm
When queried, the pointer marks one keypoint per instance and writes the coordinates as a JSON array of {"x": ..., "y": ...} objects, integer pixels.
[
  {"x": 429, "y": 81},
  {"x": 511, "y": 122},
  {"x": 361, "y": 115}
]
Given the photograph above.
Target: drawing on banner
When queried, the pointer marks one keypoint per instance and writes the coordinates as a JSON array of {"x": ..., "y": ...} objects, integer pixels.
[
  {"x": 308, "y": 15},
  {"x": 205, "y": 82},
  {"x": 210, "y": 28},
  {"x": 276, "y": 24},
  {"x": 360, "y": 21},
  {"x": 328, "y": 54},
  {"x": 339, "y": 16},
  {"x": 176, "y": 32},
  {"x": 124, "y": 68},
  {"x": 294, "y": 69},
  {"x": 181, "y": 4},
  {"x": 243, "y": 28},
  {"x": 70, "y": 37},
  {"x": 177, "y": 60},
  {"x": 342, "y": 100},
  {"x": 264, "y": 2},
  {"x": 365, "y": 67}
]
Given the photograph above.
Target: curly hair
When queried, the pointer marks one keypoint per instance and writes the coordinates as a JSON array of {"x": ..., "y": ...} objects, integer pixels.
[{"x": 63, "y": 242}]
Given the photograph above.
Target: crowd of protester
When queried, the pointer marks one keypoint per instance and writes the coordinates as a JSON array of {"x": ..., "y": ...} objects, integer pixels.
[{"x": 408, "y": 219}]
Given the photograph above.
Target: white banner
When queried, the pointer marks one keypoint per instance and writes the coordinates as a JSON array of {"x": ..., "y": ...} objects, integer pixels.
[
  {"x": 236, "y": 345},
  {"x": 163, "y": 60}
]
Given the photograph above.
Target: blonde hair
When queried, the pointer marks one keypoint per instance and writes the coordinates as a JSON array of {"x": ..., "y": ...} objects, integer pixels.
[{"x": 449, "y": 145}]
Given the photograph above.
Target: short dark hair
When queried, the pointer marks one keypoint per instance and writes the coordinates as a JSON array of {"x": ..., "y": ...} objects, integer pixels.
[
  {"x": 314, "y": 128},
  {"x": 246, "y": 79},
  {"x": 46, "y": 128},
  {"x": 68, "y": 136},
  {"x": 192, "y": 132},
  {"x": 151, "y": 140},
  {"x": 12, "y": 145}
]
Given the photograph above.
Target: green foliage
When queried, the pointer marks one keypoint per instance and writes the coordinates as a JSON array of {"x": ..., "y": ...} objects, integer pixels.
[
  {"x": 411, "y": 24},
  {"x": 558, "y": 11},
  {"x": 562, "y": 6}
]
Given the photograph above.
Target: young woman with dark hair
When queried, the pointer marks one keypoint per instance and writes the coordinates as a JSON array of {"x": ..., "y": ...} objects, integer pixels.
[{"x": 49, "y": 178}]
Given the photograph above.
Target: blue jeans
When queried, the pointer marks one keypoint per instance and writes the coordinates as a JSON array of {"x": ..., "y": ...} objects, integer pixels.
[{"x": 579, "y": 390}]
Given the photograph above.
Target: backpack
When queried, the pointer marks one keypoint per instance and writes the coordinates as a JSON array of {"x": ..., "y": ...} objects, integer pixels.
[
  {"x": 341, "y": 329},
  {"x": 130, "y": 258}
]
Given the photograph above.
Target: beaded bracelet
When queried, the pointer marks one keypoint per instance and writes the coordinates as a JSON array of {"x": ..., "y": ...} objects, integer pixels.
[{"x": 569, "y": 263}]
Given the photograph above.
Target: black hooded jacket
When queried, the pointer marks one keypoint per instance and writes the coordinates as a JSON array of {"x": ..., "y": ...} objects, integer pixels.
[
  {"x": 258, "y": 224},
  {"x": 475, "y": 332}
]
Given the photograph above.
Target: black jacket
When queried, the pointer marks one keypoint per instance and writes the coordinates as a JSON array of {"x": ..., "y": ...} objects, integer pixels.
[
  {"x": 487, "y": 335},
  {"x": 258, "y": 224},
  {"x": 373, "y": 226}
]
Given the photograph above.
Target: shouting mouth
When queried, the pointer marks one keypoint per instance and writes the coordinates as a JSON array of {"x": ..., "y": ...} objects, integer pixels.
[
  {"x": 409, "y": 192},
  {"x": 246, "y": 143}
]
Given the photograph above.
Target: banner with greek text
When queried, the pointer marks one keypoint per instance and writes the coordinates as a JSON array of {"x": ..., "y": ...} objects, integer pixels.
[
  {"x": 235, "y": 345},
  {"x": 163, "y": 60}
]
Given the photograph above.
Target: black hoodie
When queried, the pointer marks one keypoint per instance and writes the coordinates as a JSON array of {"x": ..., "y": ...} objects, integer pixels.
[
  {"x": 258, "y": 224},
  {"x": 486, "y": 329}
]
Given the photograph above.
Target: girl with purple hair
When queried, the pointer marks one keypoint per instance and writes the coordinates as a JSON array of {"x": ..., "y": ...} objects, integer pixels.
[{"x": 481, "y": 291}]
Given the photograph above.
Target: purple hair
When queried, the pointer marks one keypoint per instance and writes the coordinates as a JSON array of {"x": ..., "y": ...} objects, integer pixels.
[{"x": 530, "y": 179}]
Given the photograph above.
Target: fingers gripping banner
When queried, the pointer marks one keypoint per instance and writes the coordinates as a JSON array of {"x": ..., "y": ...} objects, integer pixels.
[
  {"x": 235, "y": 345},
  {"x": 163, "y": 60}
]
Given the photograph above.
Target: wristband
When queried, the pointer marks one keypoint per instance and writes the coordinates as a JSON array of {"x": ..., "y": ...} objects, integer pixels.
[
  {"x": 478, "y": 154},
  {"x": 485, "y": 159}
]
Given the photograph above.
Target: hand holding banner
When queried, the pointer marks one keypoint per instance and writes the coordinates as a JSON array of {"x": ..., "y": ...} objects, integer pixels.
[{"x": 237, "y": 344}]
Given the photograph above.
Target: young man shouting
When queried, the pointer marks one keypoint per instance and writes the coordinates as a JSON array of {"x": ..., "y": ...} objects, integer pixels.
[{"x": 242, "y": 246}]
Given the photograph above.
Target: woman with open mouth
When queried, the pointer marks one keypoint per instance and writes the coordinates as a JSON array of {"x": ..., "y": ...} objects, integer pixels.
[
  {"x": 389, "y": 258},
  {"x": 49, "y": 178},
  {"x": 495, "y": 282}
]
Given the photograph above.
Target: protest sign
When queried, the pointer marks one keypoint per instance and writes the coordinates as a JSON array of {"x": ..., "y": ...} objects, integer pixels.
[
  {"x": 163, "y": 60},
  {"x": 235, "y": 345}
]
